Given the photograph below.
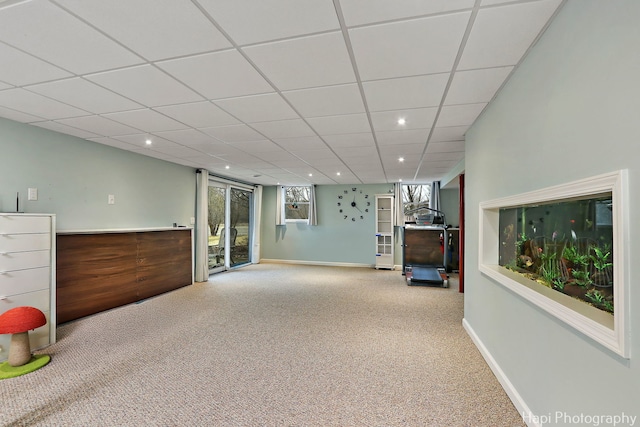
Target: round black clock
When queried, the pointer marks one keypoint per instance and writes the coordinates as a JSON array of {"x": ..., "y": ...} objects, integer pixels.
[{"x": 353, "y": 204}]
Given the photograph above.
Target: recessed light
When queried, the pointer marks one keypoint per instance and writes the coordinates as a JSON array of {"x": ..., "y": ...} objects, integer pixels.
[
  {"x": 401, "y": 159},
  {"x": 338, "y": 173},
  {"x": 310, "y": 174},
  {"x": 402, "y": 121},
  {"x": 227, "y": 167},
  {"x": 400, "y": 180},
  {"x": 148, "y": 141}
]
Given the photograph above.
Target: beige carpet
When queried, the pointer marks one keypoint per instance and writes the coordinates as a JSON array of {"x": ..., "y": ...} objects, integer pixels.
[{"x": 268, "y": 345}]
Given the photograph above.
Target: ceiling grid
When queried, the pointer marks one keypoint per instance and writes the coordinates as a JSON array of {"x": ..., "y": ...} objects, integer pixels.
[{"x": 285, "y": 92}]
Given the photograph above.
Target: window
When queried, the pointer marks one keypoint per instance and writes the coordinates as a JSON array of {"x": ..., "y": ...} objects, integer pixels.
[
  {"x": 415, "y": 196},
  {"x": 296, "y": 203}
]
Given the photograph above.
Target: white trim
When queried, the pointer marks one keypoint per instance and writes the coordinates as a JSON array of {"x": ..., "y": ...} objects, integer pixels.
[
  {"x": 321, "y": 263},
  {"x": 615, "y": 337},
  {"x": 508, "y": 387}
]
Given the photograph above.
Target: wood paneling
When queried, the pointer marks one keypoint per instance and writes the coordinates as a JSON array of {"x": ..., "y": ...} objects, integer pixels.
[
  {"x": 164, "y": 260},
  {"x": 97, "y": 272},
  {"x": 422, "y": 247}
]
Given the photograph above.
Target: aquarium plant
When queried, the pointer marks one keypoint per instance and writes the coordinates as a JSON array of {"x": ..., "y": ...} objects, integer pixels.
[{"x": 601, "y": 263}]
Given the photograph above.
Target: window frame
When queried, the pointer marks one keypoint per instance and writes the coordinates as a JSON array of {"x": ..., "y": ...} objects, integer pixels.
[
  {"x": 614, "y": 337},
  {"x": 285, "y": 201}
]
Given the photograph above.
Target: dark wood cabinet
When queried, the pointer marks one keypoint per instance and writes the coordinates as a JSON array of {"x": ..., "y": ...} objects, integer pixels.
[
  {"x": 97, "y": 272},
  {"x": 431, "y": 246}
]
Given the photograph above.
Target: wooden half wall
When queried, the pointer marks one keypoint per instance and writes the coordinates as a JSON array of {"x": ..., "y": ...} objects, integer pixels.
[{"x": 103, "y": 270}]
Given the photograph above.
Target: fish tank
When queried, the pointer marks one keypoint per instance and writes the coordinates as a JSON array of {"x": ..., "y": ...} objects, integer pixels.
[
  {"x": 565, "y": 250},
  {"x": 564, "y": 245}
]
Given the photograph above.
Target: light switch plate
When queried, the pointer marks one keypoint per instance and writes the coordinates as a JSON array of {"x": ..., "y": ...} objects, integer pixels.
[
  {"x": 111, "y": 199},
  {"x": 32, "y": 194}
]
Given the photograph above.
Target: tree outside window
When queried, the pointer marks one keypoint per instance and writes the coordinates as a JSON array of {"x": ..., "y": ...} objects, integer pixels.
[
  {"x": 296, "y": 203},
  {"x": 415, "y": 196}
]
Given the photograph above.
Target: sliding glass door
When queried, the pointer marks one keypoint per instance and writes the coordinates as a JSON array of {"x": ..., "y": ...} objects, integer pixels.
[
  {"x": 215, "y": 222},
  {"x": 241, "y": 222},
  {"x": 229, "y": 226}
]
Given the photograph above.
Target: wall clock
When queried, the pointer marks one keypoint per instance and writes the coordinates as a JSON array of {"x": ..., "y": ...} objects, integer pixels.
[{"x": 353, "y": 204}]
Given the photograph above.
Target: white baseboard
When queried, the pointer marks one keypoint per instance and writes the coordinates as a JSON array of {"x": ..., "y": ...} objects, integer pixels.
[
  {"x": 322, "y": 263},
  {"x": 511, "y": 391}
]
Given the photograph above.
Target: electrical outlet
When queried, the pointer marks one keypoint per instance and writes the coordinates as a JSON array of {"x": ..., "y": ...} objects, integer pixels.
[
  {"x": 192, "y": 220},
  {"x": 111, "y": 199}
]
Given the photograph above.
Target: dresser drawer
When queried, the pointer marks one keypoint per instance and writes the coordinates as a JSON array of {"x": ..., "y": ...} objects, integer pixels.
[
  {"x": 23, "y": 281},
  {"x": 23, "y": 260},
  {"x": 24, "y": 224},
  {"x": 24, "y": 242},
  {"x": 37, "y": 299}
]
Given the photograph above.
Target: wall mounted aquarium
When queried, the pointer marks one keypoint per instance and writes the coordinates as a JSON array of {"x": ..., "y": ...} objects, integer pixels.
[{"x": 563, "y": 249}]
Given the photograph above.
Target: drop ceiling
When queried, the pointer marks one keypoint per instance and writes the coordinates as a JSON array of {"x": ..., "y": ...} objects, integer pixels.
[{"x": 268, "y": 91}]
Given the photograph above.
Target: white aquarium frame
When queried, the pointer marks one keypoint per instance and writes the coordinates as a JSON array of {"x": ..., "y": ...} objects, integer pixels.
[{"x": 592, "y": 322}]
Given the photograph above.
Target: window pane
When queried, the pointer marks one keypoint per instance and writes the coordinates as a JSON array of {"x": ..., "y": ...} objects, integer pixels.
[
  {"x": 415, "y": 196},
  {"x": 296, "y": 204}
]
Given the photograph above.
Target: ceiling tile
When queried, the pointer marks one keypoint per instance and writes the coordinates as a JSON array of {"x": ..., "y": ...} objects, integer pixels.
[
  {"x": 170, "y": 28},
  {"x": 407, "y": 48},
  {"x": 113, "y": 143},
  {"x": 142, "y": 84},
  {"x": 198, "y": 114},
  {"x": 68, "y": 130},
  {"x": 417, "y": 118},
  {"x": 412, "y": 136},
  {"x": 453, "y": 133},
  {"x": 350, "y": 140},
  {"x": 263, "y": 146},
  {"x": 18, "y": 116},
  {"x": 351, "y": 153},
  {"x": 319, "y": 60},
  {"x": 284, "y": 128},
  {"x": 20, "y": 69},
  {"x": 358, "y": 12},
  {"x": 410, "y": 152},
  {"x": 326, "y": 101},
  {"x": 405, "y": 93},
  {"x": 501, "y": 35},
  {"x": 188, "y": 137},
  {"x": 459, "y": 115},
  {"x": 335, "y": 125},
  {"x": 468, "y": 87},
  {"x": 48, "y": 32},
  {"x": 440, "y": 147},
  {"x": 233, "y": 133},
  {"x": 311, "y": 155},
  {"x": 37, "y": 105},
  {"x": 146, "y": 120},
  {"x": 251, "y": 22},
  {"x": 298, "y": 143},
  {"x": 258, "y": 108},
  {"x": 84, "y": 94},
  {"x": 99, "y": 125},
  {"x": 448, "y": 156},
  {"x": 218, "y": 75},
  {"x": 140, "y": 140}
]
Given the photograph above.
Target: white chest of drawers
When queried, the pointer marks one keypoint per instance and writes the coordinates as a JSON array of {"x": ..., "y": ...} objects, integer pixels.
[{"x": 27, "y": 272}]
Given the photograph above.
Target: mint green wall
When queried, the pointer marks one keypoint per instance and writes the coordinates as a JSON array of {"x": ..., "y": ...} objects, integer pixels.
[
  {"x": 333, "y": 240},
  {"x": 74, "y": 178},
  {"x": 569, "y": 112},
  {"x": 450, "y": 205}
]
